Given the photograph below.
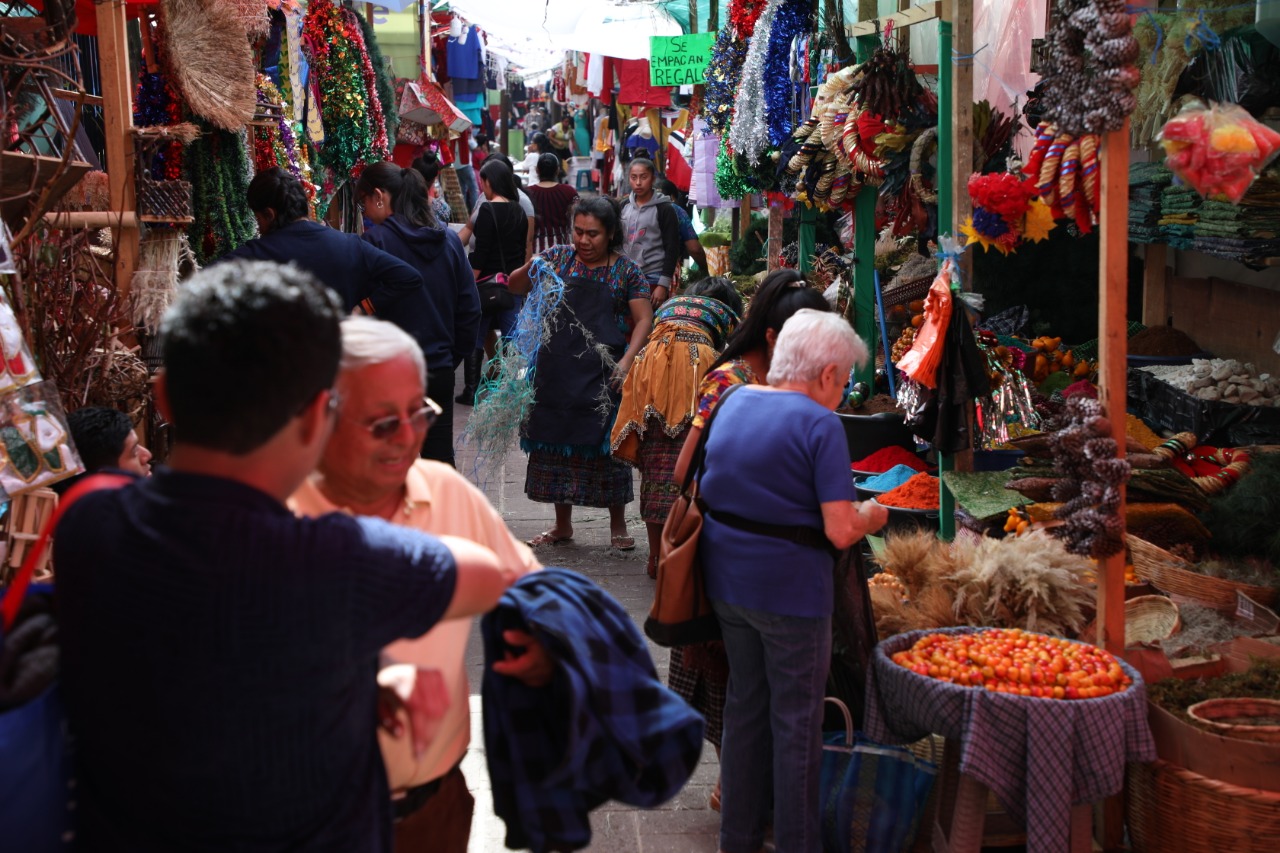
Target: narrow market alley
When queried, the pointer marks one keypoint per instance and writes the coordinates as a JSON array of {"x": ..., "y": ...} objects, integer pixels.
[{"x": 685, "y": 824}]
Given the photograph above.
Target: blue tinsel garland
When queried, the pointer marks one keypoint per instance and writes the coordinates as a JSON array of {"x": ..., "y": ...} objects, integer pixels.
[
  {"x": 724, "y": 72},
  {"x": 793, "y": 18}
]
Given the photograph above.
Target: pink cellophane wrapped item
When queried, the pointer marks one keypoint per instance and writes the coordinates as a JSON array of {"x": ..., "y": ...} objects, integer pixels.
[{"x": 1218, "y": 149}]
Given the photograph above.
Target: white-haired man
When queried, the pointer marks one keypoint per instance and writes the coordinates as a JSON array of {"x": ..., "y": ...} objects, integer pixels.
[{"x": 371, "y": 467}]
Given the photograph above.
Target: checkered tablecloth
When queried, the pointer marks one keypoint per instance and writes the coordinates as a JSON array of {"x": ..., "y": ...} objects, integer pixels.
[{"x": 1039, "y": 756}]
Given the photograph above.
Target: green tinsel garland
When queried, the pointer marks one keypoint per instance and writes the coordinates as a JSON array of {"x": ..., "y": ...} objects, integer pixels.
[
  {"x": 386, "y": 86},
  {"x": 218, "y": 168}
]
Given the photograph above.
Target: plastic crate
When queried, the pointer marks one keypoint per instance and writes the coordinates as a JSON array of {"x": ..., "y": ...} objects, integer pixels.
[{"x": 1166, "y": 409}]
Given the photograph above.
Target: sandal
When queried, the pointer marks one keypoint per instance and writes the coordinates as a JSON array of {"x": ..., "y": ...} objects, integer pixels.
[
  {"x": 715, "y": 798},
  {"x": 623, "y": 542},
  {"x": 546, "y": 537}
]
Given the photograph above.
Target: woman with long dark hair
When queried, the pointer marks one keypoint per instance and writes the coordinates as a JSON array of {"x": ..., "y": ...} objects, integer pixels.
[
  {"x": 428, "y": 166},
  {"x": 443, "y": 316},
  {"x": 594, "y": 329},
  {"x": 501, "y": 231}
]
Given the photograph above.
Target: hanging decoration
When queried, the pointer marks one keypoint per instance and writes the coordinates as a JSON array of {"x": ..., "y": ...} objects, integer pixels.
[
  {"x": 1090, "y": 76},
  {"x": 1065, "y": 171},
  {"x": 749, "y": 134},
  {"x": 1006, "y": 211},
  {"x": 723, "y": 74},
  {"x": 211, "y": 61},
  {"x": 276, "y": 144},
  {"x": 1084, "y": 454},
  {"x": 219, "y": 168},
  {"x": 354, "y": 130},
  {"x": 743, "y": 14},
  {"x": 384, "y": 85},
  {"x": 156, "y": 105},
  {"x": 793, "y": 18},
  {"x": 161, "y": 255}
]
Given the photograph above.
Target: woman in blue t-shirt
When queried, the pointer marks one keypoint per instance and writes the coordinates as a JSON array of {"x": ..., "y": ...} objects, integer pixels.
[{"x": 772, "y": 595}]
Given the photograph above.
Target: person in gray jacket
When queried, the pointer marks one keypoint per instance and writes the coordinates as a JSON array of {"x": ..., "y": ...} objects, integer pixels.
[{"x": 650, "y": 229}]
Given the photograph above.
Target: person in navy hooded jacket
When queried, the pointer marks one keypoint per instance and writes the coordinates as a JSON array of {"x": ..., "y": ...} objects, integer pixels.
[{"x": 444, "y": 317}]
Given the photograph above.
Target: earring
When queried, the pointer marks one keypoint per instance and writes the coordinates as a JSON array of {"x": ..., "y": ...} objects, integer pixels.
[{"x": 379, "y": 204}]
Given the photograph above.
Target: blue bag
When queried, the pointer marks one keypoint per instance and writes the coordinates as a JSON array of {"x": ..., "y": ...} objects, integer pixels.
[{"x": 873, "y": 796}]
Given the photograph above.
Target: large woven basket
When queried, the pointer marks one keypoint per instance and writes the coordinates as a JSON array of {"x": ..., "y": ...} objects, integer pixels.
[
  {"x": 1171, "y": 808},
  {"x": 1248, "y": 719},
  {"x": 1174, "y": 575}
]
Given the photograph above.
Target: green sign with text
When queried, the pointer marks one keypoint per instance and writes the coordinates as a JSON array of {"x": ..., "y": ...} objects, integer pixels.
[{"x": 679, "y": 60}]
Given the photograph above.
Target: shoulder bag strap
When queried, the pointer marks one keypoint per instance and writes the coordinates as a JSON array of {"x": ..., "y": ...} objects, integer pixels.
[
  {"x": 18, "y": 589},
  {"x": 700, "y": 449}
]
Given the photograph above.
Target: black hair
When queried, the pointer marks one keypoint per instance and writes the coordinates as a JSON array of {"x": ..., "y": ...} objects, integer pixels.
[
  {"x": 643, "y": 162},
  {"x": 548, "y": 167},
  {"x": 427, "y": 164},
  {"x": 99, "y": 435},
  {"x": 246, "y": 346},
  {"x": 718, "y": 288},
  {"x": 541, "y": 143},
  {"x": 501, "y": 179},
  {"x": 279, "y": 190},
  {"x": 781, "y": 294},
  {"x": 499, "y": 157},
  {"x": 604, "y": 209},
  {"x": 408, "y": 191}
]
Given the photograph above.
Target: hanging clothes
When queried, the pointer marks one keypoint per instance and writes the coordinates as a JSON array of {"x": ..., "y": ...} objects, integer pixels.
[
  {"x": 465, "y": 54},
  {"x": 635, "y": 90}
]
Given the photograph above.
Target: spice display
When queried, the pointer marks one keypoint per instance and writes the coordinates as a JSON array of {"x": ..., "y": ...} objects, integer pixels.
[
  {"x": 920, "y": 492},
  {"x": 1201, "y": 627},
  {"x": 1164, "y": 341},
  {"x": 1084, "y": 455},
  {"x": 1227, "y": 380},
  {"x": 1218, "y": 149},
  {"x": 888, "y": 457},
  {"x": 1137, "y": 429},
  {"x": 875, "y": 405},
  {"x": 891, "y": 479},
  {"x": 1018, "y": 662}
]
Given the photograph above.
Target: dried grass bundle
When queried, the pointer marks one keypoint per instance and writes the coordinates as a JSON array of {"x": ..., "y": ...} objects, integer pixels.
[
  {"x": 212, "y": 61},
  {"x": 1029, "y": 582},
  {"x": 915, "y": 558},
  {"x": 891, "y": 612}
]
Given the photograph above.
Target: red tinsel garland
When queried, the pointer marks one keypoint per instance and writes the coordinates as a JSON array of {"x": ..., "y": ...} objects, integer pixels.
[{"x": 743, "y": 14}]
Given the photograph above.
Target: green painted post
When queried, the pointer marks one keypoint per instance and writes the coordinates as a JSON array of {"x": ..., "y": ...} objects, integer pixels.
[
  {"x": 864, "y": 249},
  {"x": 946, "y": 206},
  {"x": 807, "y": 237}
]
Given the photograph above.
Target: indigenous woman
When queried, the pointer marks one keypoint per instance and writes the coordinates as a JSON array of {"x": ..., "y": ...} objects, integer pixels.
[
  {"x": 592, "y": 331},
  {"x": 660, "y": 394},
  {"x": 553, "y": 202}
]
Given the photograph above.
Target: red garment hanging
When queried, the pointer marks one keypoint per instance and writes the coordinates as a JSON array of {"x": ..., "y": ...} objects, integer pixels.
[{"x": 635, "y": 89}]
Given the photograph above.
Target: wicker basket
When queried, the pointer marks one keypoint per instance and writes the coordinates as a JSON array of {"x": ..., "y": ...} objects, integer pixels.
[
  {"x": 1149, "y": 619},
  {"x": 1171, "y": 808},
  {"x": 1235, "y": 718},
  {"x": 1174, "y": 575}
]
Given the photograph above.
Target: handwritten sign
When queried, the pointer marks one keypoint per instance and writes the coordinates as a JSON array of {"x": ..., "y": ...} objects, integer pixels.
[{"x": 679, "y": 60}]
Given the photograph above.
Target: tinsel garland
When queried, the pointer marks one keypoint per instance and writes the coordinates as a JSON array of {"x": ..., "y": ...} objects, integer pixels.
[
  {"x": 156, "y": 104},
  {"x": 724, "y": 73},
  {"x": 731, "y": 182},
  {"x": 743, "y": 15},
  {"x": 385, "y": 86},
  {"x": 793, "y": 18},
  {"x": 278, "y": 145},
  {"x": 219, "y": 174},
  {"x": 354, "y": 130},
  {"x": 749, "y": 135}
]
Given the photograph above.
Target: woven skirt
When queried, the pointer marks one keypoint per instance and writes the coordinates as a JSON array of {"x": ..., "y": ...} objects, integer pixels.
[
  {"x": 599, "y": 481},
  {"x": 703, "y": 690},
  {"x": 658, "y": 453}
]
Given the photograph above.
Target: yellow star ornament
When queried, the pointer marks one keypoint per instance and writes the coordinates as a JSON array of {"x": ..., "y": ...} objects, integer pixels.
[
  {"x": 972, "y": 237},
  {"x": 1038, "y": 222}
]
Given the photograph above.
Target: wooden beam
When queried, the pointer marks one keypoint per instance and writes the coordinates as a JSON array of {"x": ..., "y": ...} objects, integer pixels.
[
  {"x": 117, "y": 113},
  {"x": 91, "y": 219},
  {"x": 82, "y": 97},
  {"x": 1113, "y": 344},
  {"x": 774, "y": 252},
  {"x": 909, "y": 17},
  {"x": 961, "y": 16}
]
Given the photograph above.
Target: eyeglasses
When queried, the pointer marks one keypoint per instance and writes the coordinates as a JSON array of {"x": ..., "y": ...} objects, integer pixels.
[{"x": 383, "y": 428}]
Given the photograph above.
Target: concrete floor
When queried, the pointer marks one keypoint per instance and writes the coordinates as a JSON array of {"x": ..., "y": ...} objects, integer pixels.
[{"x": 686, "y": 824}]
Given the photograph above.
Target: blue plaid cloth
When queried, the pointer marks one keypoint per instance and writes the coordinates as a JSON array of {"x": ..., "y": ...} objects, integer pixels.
[{"x": 606, "y": 728}]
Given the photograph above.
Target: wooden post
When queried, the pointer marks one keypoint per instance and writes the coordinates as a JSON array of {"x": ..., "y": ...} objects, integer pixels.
[
  {"x": 1113, "y": 344},
  {"x": 864, "y": 244},
  {"x": 504, "y": 142},
  {"x": 774, "y": 253},
  {"x": 961, "y": 59},
  {"x": 744, "y": 216},
  {"x": 117, "y": 113},
  {"x": 1155, "y": 285}
]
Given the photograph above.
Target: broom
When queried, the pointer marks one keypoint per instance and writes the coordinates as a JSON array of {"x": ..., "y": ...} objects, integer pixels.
[{"x": 206, "y": 46}]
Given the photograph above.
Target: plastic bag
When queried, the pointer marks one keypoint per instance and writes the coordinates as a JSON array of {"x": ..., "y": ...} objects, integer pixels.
[
  {"x": 1244, "y": 70},
  {"x": 1218, "y": 150}
]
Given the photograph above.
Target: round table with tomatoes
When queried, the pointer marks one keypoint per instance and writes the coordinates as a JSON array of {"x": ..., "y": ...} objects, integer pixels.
[{"x": 1044, "y": 723}]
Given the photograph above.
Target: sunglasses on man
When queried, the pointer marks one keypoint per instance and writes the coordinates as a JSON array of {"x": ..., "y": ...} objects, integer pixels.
[{"x": 384, "y": 428}]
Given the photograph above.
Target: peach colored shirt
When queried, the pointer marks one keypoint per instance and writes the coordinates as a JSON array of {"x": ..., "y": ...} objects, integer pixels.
[{"x": 439, "y": 500}]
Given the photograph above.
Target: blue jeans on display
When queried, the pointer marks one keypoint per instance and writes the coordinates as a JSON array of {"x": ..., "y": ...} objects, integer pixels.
[
  {"x": 467, "y": 181},
  {"x": 772, "y": 745}
]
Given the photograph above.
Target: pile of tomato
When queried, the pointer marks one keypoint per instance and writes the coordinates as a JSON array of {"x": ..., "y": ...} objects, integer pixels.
[{"x": 1018, "y": 662}]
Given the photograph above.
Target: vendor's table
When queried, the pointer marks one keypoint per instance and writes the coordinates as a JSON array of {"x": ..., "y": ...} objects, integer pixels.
[{"x": 1041, "y": 757}]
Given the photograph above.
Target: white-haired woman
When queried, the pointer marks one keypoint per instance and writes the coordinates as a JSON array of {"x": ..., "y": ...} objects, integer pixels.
[{"x": 768, "y": 544}]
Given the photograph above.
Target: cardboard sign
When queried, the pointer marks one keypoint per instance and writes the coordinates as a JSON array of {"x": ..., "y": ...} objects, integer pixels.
[{"x": 679, "y": 60}]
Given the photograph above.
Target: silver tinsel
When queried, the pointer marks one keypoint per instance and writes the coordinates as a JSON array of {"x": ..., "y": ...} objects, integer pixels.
[{"x": 749, "y": 134}]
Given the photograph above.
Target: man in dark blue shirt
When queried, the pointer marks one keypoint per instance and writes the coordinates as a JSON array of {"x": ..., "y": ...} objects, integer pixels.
[
  {"x": 355, "y": 270},
  {"x": 219, "y": 654}
]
